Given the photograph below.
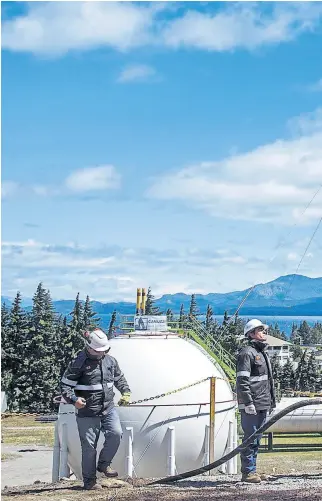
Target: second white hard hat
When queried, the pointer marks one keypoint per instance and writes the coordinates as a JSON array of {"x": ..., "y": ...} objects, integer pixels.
[
  {"x": 97, "y": 340},
  {"x": 253, "y": 324}
]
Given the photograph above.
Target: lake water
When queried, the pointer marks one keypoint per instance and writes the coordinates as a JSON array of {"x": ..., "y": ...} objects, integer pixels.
[{"x": 284, "y": 323}]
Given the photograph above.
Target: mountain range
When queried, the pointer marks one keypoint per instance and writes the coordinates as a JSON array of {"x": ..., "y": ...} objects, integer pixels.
[{"x": 288, "y": 295}]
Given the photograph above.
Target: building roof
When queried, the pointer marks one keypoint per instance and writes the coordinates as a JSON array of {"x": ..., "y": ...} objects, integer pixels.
[{"x": 274, "y": 341}]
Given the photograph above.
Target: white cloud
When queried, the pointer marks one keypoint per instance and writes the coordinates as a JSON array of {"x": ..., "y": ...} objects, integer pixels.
[
  {"x": 8, "y": 188},
  {"x": 136, "y": 73},
  {"x": 54, "y": 28},
  {"x": 242, "y": 25},
  {"x": 112, "y": 272},
  {"x": 316, "y": 87},
  {"x": 274, "y": 182},
  {"x": 103, "y": 177}
]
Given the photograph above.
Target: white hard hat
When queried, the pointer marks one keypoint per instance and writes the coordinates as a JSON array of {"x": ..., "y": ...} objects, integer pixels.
[
  {"x": 253, "y": 324},
  {"x": 97, "y": 340}
]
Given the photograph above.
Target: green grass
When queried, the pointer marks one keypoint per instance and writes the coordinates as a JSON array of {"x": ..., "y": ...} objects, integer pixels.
[
  {"x": 290, "y": 462},
  {"x": 29, "y": 437},
  {"x": 295, "y": 439},
  {"x": 11, "y": 420},
  {"x": 13, "y": 432}
]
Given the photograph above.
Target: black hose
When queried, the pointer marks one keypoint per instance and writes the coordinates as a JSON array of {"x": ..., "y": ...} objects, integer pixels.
[{"x": 249, "y": 440}]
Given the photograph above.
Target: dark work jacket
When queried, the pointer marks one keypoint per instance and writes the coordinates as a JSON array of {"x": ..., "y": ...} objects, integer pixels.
[
  {"x": 93, "y": 380},
  {"x": 255, "y": 383}
]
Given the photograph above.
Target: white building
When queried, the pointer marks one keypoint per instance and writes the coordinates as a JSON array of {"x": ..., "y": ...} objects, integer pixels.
[
  {"x": 279, "y": 347},
  {"x": 319, "y": 361}
]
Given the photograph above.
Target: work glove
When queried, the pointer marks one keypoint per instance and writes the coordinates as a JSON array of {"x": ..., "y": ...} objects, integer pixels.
[
  {"x": 250, "y": 409},
  {"x": 125, "y": 399}
]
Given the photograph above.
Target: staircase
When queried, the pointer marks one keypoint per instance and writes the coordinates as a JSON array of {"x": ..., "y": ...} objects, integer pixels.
[{"x": 199, "y": 334}]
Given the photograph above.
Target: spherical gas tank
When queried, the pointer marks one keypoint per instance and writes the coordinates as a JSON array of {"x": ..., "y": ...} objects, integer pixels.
[{"x": 154, "y": 366}]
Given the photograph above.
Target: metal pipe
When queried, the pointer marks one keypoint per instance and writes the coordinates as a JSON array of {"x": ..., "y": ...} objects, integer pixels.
[
  {"x": 56, "y": 456},
  {"x": 172, "y": 457},
  {"x": 64, "y": 468},
  {"x": 129, "y": 452},
  {"x": 138, "y": 300},
  {"x": 143, "y": 302}
]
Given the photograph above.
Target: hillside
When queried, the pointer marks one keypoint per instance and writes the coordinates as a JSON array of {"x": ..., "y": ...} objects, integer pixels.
[{"x": 286, "y": 295}]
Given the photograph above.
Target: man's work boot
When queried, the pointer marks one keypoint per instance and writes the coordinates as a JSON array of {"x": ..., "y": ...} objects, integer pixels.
[
  {"x": 263, "y": 476},
  {"x": 108, "y": 472},
  {"x": 252, "y": 478},
  {"x": 92, "y": 486}
]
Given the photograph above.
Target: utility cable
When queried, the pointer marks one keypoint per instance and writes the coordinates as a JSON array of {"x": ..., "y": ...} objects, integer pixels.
[{"x": 248, "y": 441}]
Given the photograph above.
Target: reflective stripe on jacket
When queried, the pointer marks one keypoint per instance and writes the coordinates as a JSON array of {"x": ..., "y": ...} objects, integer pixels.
[
  {"x": 255, "y": 383},
  {"x": 93, "y": 380}
]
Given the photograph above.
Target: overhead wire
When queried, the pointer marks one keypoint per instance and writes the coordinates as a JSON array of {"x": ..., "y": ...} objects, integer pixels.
[{"x": 232, "y": 317}]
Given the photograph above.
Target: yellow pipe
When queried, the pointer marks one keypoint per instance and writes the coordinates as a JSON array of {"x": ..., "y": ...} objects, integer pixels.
[
  {"x": 138, "y": 300},
  {"x": 143, "y": 301}
]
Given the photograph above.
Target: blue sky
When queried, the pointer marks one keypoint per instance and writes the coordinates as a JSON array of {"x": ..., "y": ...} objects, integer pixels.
[{"x": 172, "y": 144}]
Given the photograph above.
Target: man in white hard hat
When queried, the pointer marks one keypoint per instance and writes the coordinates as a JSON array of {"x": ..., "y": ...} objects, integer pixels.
[
  {"x": 88, "y": 384},
  {"x": 255, "y": 393}
]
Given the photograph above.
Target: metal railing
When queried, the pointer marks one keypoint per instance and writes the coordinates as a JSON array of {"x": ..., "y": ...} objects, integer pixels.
[{"x": 195, "y": 330}]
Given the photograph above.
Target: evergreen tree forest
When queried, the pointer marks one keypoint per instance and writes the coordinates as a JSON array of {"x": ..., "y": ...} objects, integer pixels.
[
  {"x": 37, "y": 346},
  {"x": 303, "y": 374}
]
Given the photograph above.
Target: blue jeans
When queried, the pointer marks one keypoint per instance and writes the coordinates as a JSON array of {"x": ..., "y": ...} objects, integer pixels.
[
  {"x": 89, "y": 429},
  {"x": 250, "y": 423}
]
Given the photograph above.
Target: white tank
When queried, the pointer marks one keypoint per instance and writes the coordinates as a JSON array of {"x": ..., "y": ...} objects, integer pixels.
[
  {"x": 153, "y": 365},
  {"x": 304, "y": 420}
]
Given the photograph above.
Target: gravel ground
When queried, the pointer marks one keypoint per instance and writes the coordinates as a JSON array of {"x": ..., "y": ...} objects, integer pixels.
[
  {"x": 26, "y": 467},
  {"x": 294, "y": 487}
]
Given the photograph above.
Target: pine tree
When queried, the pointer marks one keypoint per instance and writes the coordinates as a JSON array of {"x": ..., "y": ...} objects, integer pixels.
[
  {"x": 296, "y": 351},
  {"x": 76, "y": 326},
  {"x": 170, "y": 317},
  {"x": 7, "y": 349},
  {"x": 150, "y": 307},
  {"x": 181, "y": 317},
  {"x": 193, "y": 310},
  {"x": 77, "y": 321},
  {"x": 275, "y": 332},
  {"x": 276, "y": 369},
  {"x": 301, "y": 374},
  {"x": 209, "y": 319},
  {"x": 8, "y": 358},
  {"x": 112, "y": 325},
  {"x": 39, "y": 378},
  {"x": 89, "y": 320},
  {"x": 19, "y": 331},
  {"x": 229, "y": 333},
  {"x": 314, "y": 374},
  {"x": 305, "y": 333},
  {"x": 287, "y": 380}
]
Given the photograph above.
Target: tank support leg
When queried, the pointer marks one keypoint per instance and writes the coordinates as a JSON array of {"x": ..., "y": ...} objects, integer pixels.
[
  {"x": 129, "y": 451},
  {"x": 172, "y": 456}
]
